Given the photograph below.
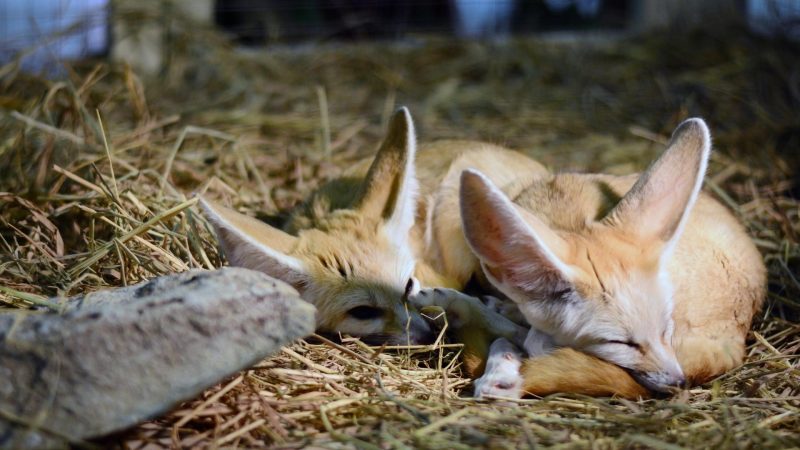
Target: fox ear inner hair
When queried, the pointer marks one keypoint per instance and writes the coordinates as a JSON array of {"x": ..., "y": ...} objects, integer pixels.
[
  {"x": 252, "y": 244},
  {"x": 657, "y": 206},
  {"x": 514, "y": 246}
]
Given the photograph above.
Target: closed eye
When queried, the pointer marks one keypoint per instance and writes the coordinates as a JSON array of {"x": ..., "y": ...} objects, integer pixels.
[
  {"x": 628, "y": 343},
  {"x": 365, "y": 312}
]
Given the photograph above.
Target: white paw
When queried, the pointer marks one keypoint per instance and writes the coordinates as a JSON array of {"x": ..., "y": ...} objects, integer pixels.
[
  {"x": 502, "y": 377},
  {"x": 505, "y": 385}
]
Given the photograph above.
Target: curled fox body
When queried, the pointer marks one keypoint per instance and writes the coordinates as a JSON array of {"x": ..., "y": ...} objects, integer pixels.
[
  {"x": 357, "y": 248},
  {"x": 631, "y": 284}
]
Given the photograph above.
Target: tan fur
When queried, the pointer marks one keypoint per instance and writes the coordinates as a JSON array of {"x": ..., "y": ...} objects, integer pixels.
[
  {"x": 447, "y": 251},
  {"x": 345, "y": 247},
  {"x": 339, "y": 238},
  {"x": 718, "y": 278},
  {"x": 439, "y": 165},
  {"x": 717, "y": 275}
]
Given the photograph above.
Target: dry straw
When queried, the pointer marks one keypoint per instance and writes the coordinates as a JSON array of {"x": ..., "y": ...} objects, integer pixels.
[{"x": 248, "y": 128}]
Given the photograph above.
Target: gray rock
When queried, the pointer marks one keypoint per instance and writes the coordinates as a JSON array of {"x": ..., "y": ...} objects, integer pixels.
[{"x": 115, "y": 358}]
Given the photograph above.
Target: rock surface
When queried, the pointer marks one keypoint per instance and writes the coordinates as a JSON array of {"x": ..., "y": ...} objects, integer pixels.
[{"x": 115, "y": 358}]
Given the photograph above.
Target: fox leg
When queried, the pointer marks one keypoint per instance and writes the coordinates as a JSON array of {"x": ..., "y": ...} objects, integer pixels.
[
  {"x": 570, "y": 371},
  {"x": 560, "y": 370},
  {"x": 501, "y": 377},
  {"x": 547, "y": 371},
  {"x": 472, "y": 323},
  {"x": 465, "y": 311}
]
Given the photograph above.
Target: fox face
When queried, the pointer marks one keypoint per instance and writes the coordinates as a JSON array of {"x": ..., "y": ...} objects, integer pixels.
[
  {"x": 356, "y": 265},
  {"x": 593, "y": 281},
  {"x": 614, "y": 303}
]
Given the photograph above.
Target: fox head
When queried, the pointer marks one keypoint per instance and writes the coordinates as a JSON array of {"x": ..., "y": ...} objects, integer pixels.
[
  {"x": 599, "y": 286},
  {"x": 356, "y": 265}
]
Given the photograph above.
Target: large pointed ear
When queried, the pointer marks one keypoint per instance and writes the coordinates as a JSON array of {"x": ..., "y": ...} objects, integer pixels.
[
  {"x": 252, "y": 244},
  {"x": 656, "y": 208},
  {"x": 516, "y": 249},
  {"x": 390, "y": 189}
]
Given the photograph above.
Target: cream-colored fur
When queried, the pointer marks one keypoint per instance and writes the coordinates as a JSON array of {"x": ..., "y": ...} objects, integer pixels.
[
  {"x": 570, "y": 251},
  {"x": 640, "y": 271},
  {"x": 359, "y": 246}
]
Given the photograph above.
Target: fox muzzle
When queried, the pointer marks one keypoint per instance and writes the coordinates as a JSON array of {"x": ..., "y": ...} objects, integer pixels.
[{"x": 660, "y": 382}]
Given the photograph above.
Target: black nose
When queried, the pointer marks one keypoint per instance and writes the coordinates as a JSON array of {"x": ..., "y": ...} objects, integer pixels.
[
  {"x": 422, "y": 335},
  {"x": 408, "y": 290},
  {"x": 665, "y": 387}
]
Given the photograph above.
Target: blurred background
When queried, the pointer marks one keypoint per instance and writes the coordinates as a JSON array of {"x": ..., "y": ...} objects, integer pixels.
[{"x": 79, "y": 28}]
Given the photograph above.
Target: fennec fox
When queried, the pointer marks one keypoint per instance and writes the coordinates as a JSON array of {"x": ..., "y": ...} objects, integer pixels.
[
  {"x": 357, "y": 248},
  {"x": 631, "y": 284}
]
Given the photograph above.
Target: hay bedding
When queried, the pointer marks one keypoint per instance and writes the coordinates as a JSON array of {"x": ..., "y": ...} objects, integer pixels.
[{"x": 97, "y": 170}]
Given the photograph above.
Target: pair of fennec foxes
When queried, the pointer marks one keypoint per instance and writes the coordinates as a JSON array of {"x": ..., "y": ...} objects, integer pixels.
[{"x": 618, "y": 285}]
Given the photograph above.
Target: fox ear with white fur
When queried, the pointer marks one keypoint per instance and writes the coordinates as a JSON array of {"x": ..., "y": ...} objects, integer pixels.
[
  {"x": 516, "y": 249},
  {"x": 253, "y": 244},
  {"x": 390, "y": 189},
  {"x": 656, "y": 208}
]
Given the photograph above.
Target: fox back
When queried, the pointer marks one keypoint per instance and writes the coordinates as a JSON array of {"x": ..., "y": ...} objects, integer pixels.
[{"x": 645, "y": 272}]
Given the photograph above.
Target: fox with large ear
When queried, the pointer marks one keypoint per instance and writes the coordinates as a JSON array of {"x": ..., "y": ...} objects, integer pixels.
[
  {"x": 355, "y": 263},
  {"x": 631, "y": 284},
  {"x": 358, "y": 246}
]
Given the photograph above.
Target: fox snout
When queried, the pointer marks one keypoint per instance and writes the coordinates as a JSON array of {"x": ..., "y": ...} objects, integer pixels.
[
  {"x": 665, "y": 382},
  {"x": 419, "y": 332},
  {"x": 660, "y": 371},
  {"x": 408, "y": 327}
]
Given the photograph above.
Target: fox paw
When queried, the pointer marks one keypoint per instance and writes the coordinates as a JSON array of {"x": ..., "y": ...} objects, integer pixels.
[
  {"x": 502, "y": 377},
  {"x": 504, "y": 307}
]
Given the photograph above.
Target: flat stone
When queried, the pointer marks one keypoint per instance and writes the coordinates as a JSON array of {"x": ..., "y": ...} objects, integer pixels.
[{"x": 118, "y": 357}]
